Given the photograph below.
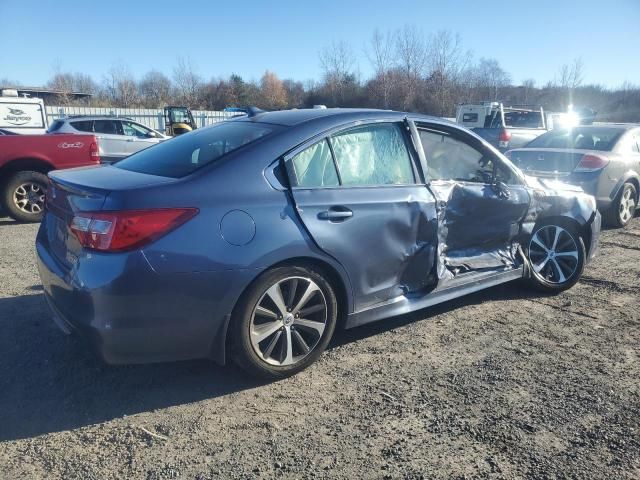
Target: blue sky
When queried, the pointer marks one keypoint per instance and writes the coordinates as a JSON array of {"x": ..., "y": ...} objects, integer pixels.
[{"x": 530, "y": 39}]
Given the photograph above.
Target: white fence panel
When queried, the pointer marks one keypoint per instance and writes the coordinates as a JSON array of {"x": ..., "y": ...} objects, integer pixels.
[{"x": 151, "y": 117}]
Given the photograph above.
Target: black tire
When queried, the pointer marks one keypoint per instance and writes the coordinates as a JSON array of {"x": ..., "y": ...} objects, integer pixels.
[
  {"x": 14, "y": 192},
  {"x": 245, "y": 322},
  {"x": 623, "y": 208},
  {"x": 561, "y": 265}
]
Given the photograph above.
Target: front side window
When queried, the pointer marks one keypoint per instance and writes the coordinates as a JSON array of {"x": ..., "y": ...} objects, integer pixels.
[
  {"x": 373, "y": 155},
  {"x": 449, "y": 158},
  {"x": 186, "y": 153},
  {"x": 134, "y": 130},
  {"x": 314, "y": 167}
]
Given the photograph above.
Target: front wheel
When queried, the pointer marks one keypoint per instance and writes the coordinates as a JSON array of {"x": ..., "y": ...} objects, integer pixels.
[
  {"x": 556, "y": 256},
  {"x": 284, "y": 322},
  {"x": 23, "y": 196}
]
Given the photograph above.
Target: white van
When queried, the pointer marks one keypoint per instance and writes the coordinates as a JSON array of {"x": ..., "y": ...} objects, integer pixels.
[{"x": 22, "y": 114}]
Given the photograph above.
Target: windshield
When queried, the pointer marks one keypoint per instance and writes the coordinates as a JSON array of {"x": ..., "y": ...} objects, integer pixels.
[
  {"x": 183, "y": 155},
  {"x": 179, "y": 115},
  {"x": 581, "y": 138}
]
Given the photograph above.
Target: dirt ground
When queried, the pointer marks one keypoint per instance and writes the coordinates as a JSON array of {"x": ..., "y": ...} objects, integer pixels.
[{"x": 505, "y": 383}]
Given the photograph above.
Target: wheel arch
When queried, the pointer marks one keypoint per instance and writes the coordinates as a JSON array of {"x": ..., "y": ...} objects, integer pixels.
[
  {"x": 25, "y": 164},
  {"x": 335, "y": 279}
]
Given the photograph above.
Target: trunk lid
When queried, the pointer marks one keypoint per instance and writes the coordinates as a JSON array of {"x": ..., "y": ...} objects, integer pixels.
[
  {"x": 547, "y": 162},
  {"x": 83, "y": 190}
]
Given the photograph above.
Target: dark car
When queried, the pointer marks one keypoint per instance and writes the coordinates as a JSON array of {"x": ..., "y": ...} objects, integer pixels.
[
  {"x": 251, "y": 238},
  {"x": 602, "y": 159}
]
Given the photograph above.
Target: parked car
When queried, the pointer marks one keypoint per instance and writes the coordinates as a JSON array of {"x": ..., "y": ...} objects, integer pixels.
[
  {"x": 250, "y": 238},
  {"x": 602, "y": 159},
  {"x": 503, "y": 127},
  {"x": 119, "y": 137},
  {"x": 22, "y": 114},
  {"x": 25, "y": 161}
]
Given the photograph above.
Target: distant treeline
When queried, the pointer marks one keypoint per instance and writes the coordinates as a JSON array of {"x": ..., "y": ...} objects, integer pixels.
[{"x": 411, "y": 72}]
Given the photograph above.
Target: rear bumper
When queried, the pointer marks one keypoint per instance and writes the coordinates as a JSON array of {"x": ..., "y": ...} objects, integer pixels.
[{"x": 130, "y": 314}]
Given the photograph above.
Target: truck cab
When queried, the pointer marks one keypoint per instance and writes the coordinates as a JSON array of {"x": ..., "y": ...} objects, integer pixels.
[{"x": 23, "y": 115}]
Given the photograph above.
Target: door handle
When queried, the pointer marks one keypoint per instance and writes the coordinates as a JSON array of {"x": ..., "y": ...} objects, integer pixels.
[{"x": 336, "y": 214}]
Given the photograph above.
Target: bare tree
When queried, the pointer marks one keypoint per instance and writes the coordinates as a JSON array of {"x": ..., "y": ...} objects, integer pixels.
[
  {"x": 380, "y": 55},
  {"x": 187, "y": 81},
  {"x": 337, "y": 61},
  {"x": 447, "y": 61},
  {"x": 120, "y": 86},
  {"x": 490, "y": 78},
  {"x": 571, "y": 75},
  {"x": 155, "y": 89},
  {"x": 528, "y": 86},
  {"x": 411, "y": 54}
]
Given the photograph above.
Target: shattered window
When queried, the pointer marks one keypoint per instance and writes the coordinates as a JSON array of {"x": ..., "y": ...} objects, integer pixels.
[
  {"x": 451, "y": 159},
  {"x": 314, "y": 167},
  {"x": 373, "y": 155}
]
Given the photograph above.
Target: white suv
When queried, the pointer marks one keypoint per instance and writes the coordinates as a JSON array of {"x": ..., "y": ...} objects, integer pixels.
[{"x": 118, "y": 137}]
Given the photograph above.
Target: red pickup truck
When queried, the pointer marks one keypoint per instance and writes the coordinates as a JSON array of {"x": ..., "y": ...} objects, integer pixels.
[{"x": 25, "y": 161}]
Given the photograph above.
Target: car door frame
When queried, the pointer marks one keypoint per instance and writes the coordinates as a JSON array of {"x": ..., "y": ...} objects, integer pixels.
[
  {"x": 522, "y": 191},
  {"x": 427, "y": 206}
]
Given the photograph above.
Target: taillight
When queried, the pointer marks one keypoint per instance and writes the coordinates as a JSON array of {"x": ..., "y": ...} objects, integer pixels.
[
  {"x": 127, "y": 229},
  {"x": 591, "y": 162},
  {"x": 94, "y": 151},
  {"x": 504, "y": 138}
]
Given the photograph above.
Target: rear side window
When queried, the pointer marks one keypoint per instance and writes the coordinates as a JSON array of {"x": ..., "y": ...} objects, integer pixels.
[
  {"x": 469, "y": 117},
  {"x": 314, "y": 167},
  {"x": 83, "y": 126},
  {"x": 373, "y": 155},
  {"x": 109, "y": 127},
  {"x": 183, "y": 155}
]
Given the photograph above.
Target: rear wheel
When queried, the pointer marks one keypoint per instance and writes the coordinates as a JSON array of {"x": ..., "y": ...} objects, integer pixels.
[
  {"x": 556, "y": 255},
  {"x": 23, "y": 196},
  {"x": 284, "y": 323},
  {"x": 624, "y": 207}
]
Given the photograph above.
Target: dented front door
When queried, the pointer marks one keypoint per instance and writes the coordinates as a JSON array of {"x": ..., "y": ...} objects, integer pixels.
[
  {"x": 374, "y": 216},
  {"x": 481, "y": 202}
]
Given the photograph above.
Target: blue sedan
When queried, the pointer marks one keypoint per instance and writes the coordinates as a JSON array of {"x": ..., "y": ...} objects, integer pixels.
[{"x": 253, "y": 239}]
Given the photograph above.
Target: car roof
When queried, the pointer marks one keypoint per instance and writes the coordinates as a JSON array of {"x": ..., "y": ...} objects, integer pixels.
[
  {"x": 294, "y": 117},
  {"x": 95, "y": 117}
]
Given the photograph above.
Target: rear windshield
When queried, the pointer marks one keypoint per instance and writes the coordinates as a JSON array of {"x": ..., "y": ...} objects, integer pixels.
[
  {"x": 523, "y": 119},
  {"x": 581, "y": 138},
  {"x": 184, "y": 154}
]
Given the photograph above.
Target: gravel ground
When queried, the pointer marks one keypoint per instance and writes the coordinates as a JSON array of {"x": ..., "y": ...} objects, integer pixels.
[{"x": 505, "y": 383}]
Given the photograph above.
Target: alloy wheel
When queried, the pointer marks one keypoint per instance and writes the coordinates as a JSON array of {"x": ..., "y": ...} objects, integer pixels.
[
  {"x": 29, "y": 197},
  {"x": 288, "y": 321},
  {"x": 627, "y": 205},
  {"x": 553, "y": 253}
]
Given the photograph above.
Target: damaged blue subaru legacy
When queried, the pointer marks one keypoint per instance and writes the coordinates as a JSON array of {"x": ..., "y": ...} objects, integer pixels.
[{"x": 250, "y": 240}]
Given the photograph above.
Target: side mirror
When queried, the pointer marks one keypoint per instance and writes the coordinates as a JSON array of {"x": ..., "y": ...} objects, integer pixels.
[
  {"x": 501, "y": 189},
  {"x": 152, "y": 134}
]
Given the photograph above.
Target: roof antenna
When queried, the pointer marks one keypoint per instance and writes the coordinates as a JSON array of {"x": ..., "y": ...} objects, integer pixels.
[{"x": 253, "y": 111}]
